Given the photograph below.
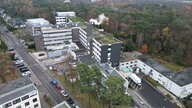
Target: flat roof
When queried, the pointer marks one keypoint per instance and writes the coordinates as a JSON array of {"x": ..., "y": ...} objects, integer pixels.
[
  {"x": 65, "y": 14},
  {"x": 155, "y": 65},
  {"x": 108, "y": 70},
  {"x": 15, "y": 88},
  {"x": 128, "y": 56},
  {"x": 38, "y": 22},
  {"x": 87, "y": 59},
  {"x": 106, "y": 38},
  {"x": 182, "y": 77},
  {"x": 63, "y": 104}
]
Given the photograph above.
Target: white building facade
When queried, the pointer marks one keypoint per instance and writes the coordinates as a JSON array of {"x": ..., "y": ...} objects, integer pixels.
[
  {"x": 20, "y": 93},
  {"x": 61, "y": 17},
  {"x": 55, "y": 38}
]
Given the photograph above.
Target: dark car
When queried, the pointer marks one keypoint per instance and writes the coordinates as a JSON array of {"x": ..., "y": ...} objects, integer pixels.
[
  {"x": 70, "y": 101},
  {"x": 24, "y": 69},
  {"x": 20, "y": 65}
]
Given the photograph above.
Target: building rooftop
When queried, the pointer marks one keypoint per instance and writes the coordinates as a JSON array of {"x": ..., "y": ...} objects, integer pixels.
[
  {"x": 182, "y": 77},
  {"x": 15, "y": 88},
  {"x": 108, "y": 70},
  {"x": 77, "y": 19},
  {"x": 65, "y": 14},
  {"x": 87, "y": 59},
  {"x": 62, "y": 105},
  {"x": 128, "y": 56},
  {"x": 38, "y": 22},
  {"x": 155, "y": 65},
  {"x": 105, "y": 38}
]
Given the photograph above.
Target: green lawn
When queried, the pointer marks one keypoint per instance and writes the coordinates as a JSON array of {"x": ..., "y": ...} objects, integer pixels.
[
  {"x": 151, "y": 81},
  {"x": 172, "y": 67}
]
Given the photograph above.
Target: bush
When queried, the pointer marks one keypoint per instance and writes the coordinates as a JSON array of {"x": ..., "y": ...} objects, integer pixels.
[{"x": 31, "y": 46}]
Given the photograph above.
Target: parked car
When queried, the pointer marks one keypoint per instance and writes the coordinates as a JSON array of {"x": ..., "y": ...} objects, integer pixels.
[
  {"x": 20, "y": 65},
  {"x": 18, "y": 61},
  {"x": 54, "y": 82},
  {"x": 16, "y": 57},
  {"x": 24, "y": 69},
  {"x": 64, "y": 93},
  {"x": 58, "y": 87},
  {"x": 70, "y": 101},
  {"x": 28, "y": 73}
]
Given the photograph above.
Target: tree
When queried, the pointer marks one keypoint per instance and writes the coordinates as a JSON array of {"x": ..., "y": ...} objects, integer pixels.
[
  {"x": 144, "y": 49},
  {"x": 129, "y": 46},
  {"x": 114, "y": 91},
  {"x": 86, "y": 79}
]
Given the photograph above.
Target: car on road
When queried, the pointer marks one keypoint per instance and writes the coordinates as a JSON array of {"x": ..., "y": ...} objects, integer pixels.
[
  {"x": 142, "y": 102},
  {"x": 70, "y": 101},
  {"x": 28, "y": 73},
  {"x": 54, "y": 82},
  {"x": 58, "y": 87},
  {"x": 75, "y": 106},
  {"x": 64, "y": 93}
]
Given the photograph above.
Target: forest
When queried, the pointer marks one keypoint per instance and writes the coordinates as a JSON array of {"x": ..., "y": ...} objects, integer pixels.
[{"x": 160, "y": 29}]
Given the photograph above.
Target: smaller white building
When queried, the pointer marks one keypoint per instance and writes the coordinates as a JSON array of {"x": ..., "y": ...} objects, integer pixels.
[
  {"x": 19, "y": 93},
  {"x": 62, "y": 17}
]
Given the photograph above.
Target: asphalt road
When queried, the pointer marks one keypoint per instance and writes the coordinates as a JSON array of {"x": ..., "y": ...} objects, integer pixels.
[
  {"x": 37, "y": 70},
  {"x": 153, "y": 97}
]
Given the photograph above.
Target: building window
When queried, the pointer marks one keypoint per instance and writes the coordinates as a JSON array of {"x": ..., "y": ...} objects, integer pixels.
[
  {"x": 35, "y": 100},
  {"x": 135, "y": 61},
  {"x": 144, "y": 65},
  {"x": 16, "y": 101},
  {"x": 160, "y": 75},
  {"x": 27, "y": 103},
  {"x": 25, "y": 97},
  {"x": 131, "y": 62},
  {"x": 36, "y": 105},
  {"x": 127, "y": 63},
  {"x": 7, "y": 105},
  {"x": 18, "y": 106}
]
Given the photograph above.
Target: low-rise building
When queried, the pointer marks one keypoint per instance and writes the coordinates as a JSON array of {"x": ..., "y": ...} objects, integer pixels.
[
  {"x": 19, "y": 93},
  {"x": 179, "y": 83},
  {"x": 62, "y": 17}
]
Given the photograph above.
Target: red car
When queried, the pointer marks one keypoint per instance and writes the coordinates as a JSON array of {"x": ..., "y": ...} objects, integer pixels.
[{"x": 58, "y": 87}]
